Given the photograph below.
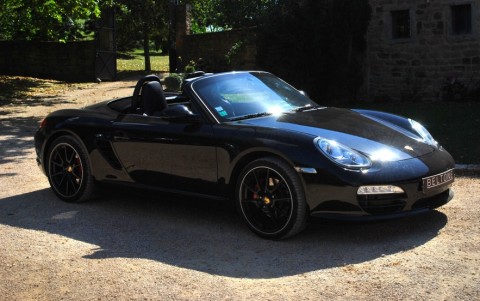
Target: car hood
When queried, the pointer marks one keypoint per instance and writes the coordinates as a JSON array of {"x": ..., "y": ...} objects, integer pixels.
[{"x": 375, "y": 138}]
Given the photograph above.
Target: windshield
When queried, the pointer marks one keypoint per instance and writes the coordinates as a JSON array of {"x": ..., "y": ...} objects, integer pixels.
[{"x": 236, "y": 96}]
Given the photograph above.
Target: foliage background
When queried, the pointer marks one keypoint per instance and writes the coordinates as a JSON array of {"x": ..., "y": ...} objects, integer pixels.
[
  {"x": 48, "y": 20},
  {"x": 218, "y": 15}
]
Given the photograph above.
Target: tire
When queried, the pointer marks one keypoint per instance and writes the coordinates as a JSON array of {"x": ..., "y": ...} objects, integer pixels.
[
  {"x": 270, "y": 198},
  {"x": 68, "y": 170}
]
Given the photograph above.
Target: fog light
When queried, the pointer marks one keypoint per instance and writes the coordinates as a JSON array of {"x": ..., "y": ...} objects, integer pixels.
[{"x": 379, "y": 189}]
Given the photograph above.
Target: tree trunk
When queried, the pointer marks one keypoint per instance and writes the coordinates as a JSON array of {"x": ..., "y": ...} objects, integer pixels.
[{"x": 146, "y": 50}]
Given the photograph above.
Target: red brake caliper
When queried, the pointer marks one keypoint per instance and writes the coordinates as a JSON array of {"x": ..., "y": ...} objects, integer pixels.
[{"x": 255, "y": 195}]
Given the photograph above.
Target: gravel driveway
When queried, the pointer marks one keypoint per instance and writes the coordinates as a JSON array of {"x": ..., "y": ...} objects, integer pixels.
[{"x": 138, "y": 246}]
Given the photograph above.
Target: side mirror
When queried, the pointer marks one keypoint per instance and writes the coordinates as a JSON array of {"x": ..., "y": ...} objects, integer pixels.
[{"x": 180, "y": 113}]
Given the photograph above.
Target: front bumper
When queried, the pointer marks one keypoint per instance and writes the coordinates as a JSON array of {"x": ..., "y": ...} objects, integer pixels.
[
  {"x": 420, "y": 206},
  {"x": 332, "y": 193}
]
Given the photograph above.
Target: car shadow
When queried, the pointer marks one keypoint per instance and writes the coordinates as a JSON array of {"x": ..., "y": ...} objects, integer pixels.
[{"x": 207, "y": 236}]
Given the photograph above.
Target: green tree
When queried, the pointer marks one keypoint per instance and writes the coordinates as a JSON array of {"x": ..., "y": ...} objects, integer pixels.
[
  {"x": 215, "y": 15},
  {"x": 141, "y": 22},
  {"x": 46, "y": 20}
]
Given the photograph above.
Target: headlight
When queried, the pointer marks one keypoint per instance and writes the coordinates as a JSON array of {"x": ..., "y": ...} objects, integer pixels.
[
  {"x": 423, "y": 133},
  {"x": 342, "y": 155}
]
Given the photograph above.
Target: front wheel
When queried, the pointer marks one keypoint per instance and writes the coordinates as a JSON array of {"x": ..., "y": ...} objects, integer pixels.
[
  {"x": 69, "y": 171},
  {"x": 270, "y": 198}
]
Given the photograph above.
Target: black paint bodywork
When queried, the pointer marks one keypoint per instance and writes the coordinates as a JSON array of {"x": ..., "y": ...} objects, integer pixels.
[{"x": 202, "y": 156}]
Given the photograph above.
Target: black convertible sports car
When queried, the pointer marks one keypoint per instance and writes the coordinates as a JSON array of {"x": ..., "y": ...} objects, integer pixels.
[{"x": 252, "y": 138}]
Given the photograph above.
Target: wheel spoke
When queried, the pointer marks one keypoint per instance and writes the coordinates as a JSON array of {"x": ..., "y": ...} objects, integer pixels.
[
  {"x": 57, "y": 164},
  {"x": 72, "y": 183},
  {"x": 251, "y": 201},
  {"x": 256, "y": 179},
  {"x": 66, "y": 188},
  {"x": 58, "y": 173},
  {"x": 58, "y": 156},
  {"x": 274, "y": 220},
  {"x": 282, "y": 200},
  {"x": 76, "y": 167},
  {"x": 267, "y": 179},
  {"x": 62, "y": 180},
  {"x": 252, "y": 190},
  {"x": 271, "y": 220},
  {"x": 282, "y": 211},
  {"x": 64, "y": 157},
  {"x": 71, "y": 157}
]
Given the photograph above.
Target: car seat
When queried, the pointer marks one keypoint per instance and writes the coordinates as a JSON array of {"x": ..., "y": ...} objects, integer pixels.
[{"x": 153, "y": 100}]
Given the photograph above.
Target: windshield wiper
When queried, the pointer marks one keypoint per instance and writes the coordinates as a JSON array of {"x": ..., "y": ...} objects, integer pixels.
[{"x": 250, "y": 116}]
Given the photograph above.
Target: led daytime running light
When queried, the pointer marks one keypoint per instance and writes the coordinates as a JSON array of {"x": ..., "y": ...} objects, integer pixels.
[{"x": 379, "y": 189}]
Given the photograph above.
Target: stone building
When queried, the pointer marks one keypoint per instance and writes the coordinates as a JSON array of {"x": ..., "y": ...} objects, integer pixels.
[{"x": 416, "y": 47}]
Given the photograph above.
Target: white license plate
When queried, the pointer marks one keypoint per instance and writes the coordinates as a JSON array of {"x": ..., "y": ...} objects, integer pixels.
[{"x": 436, "y": 181}]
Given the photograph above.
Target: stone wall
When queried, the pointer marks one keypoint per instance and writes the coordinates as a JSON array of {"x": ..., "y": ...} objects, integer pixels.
[
  {"x": 215, "y": 51},
  {"x": 416, "y": 68},
  {"x": 73, "y": 61}
]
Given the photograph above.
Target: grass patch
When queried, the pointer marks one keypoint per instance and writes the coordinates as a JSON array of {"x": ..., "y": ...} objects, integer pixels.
[
  {"x": 456, "y": 126},
  {"x": 133, "y": 63}
]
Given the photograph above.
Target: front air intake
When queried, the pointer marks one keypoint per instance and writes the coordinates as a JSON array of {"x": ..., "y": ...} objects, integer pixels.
[{"x": 382, "y": 203}]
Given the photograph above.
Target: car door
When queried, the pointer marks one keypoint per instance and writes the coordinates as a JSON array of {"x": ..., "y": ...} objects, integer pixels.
[{"x": 173, "y": 155}]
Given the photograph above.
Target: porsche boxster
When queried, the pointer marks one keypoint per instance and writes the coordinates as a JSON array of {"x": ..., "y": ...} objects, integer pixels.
[{"x": 251, "y": 138}]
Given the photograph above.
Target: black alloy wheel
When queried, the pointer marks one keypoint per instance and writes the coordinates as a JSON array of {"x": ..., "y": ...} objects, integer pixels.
[
  {"x": 68, "y": 170},
  {"x": 270, "y": 199}
]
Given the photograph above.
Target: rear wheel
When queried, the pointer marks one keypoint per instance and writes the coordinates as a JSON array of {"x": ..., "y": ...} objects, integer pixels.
[
  {"x": 69, "y": 171},
  {"x": 270, "y": 199}
]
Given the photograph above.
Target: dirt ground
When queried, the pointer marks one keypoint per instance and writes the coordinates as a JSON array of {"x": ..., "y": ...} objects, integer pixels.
[{"x": 128, "y": 246}]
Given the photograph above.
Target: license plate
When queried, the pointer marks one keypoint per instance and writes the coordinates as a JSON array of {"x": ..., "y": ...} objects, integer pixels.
[{"x": 436, "y": 181}]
